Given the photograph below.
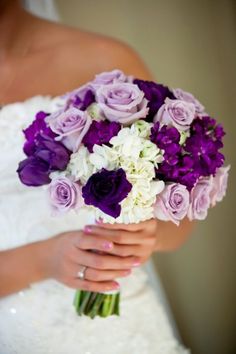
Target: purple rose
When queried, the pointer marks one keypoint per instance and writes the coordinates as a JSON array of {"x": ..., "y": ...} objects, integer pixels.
[
  {"x": 200, "y": 199},
  {"x": 106, "y": 189},
  {"x": 188, "y": 97},
  {"x": 122, "y": 102},
  {"x": 34, "y": 131},
  {"x": 219, "y": 185},
  {"x": 80, "y": 98},
  {"x": 155, "y": 94},
  {"x": 173, "y": 203},
  {"x": 70, "y": 126},
  {"x": 33, "y": 172},
  {"x": 177, "y": 113},
  {"x": 64, "y": 195},
  {"x": 108, "y": 78},
  {"x": 100, "y": 133}
]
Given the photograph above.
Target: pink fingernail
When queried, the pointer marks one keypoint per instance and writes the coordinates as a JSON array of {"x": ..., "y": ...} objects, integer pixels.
[
  {"x": 136, "y": 264},
  {"x": 87, "y": 229},
  {"x": 116, "y": 286},
  {"x": 107, "y": 245}
]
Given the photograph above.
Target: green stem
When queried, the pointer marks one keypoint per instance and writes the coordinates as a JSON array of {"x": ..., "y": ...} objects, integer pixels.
[
  {"x": 84, "y": 301},
  {"x": 90, "y": 303},
  {"x": 77, "y": 299},
  {"x": 117, "y": 305},
  {"x": 98, "y": 302}
]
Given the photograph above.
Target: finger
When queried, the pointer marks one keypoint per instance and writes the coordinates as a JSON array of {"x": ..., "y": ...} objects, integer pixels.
[
  {"x": 106, "y": 262},
  {"x": 105, "y": 275},
  {"x": 98, "y": 287},
  {"x": 116, "y": 236},
  {"x": 90, "y": 242},
  {"x": 119, "y": 226},
  {"x": 126, "y": 250}
]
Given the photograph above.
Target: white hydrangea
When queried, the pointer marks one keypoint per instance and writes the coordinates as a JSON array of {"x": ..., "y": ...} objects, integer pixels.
[
  {"x": 80, "y": 167},
  {"x": 142, "y": 128}
]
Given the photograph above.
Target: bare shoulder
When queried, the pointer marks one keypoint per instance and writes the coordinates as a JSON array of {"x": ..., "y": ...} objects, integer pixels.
[{"x": 87, "y": 53}]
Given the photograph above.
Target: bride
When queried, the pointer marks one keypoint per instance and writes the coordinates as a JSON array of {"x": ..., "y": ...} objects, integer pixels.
[{"x": 40, "y": 257}]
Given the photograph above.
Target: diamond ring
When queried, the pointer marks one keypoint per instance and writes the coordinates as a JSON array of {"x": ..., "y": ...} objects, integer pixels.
[{"x": 81, "y": 272}]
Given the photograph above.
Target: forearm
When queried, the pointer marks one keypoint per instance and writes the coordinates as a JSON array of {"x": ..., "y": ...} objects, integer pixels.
[
  {"x": 22, "y": 266},
  {"x": 170, "y": 236}
]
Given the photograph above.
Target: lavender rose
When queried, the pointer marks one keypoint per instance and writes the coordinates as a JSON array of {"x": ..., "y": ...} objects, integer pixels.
[
  {"x": 65, "y": 195},
  {"x": 178, "y": 113},
  {"x": 100, "y": 133},
  {"x": 122, "y": 102},
  {"x": 219, "y": 185},
  {"x": 188, "y": 97},
  {"x": 200, "y": 199},
  {"x": 70, "y": 126},
  {"x": 106, "y": 189},
  {"x": 173, "y": 203},
  {"x": 107, "y": 78}
]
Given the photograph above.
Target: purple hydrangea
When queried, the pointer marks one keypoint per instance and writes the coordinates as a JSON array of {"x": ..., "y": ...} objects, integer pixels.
[
  {"x": 100, "y": 133},
  {"x": 204, "y": 144},
  {"x": 167, "y": 139},
  {"x": 155, "y": 94},
  {"x": 199, "y": 156},
  {"x": 34, "y": 131},
  {"x": 106, "y": 189}
]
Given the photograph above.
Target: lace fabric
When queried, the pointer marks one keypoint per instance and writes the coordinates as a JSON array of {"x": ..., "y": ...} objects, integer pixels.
[{"x": 41, "y": 318}]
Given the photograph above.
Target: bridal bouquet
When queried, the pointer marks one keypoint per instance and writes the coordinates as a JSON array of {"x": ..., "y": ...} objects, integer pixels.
[{"x": 129, "y": 150}]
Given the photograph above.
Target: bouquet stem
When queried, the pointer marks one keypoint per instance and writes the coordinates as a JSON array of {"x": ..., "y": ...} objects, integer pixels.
[{"x": 95, "y": 304}]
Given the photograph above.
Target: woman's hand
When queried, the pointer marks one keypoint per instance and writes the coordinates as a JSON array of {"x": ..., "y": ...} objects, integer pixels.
[
  {"x": 138, "y": 240},
  {"x": 71, "y": 250}
]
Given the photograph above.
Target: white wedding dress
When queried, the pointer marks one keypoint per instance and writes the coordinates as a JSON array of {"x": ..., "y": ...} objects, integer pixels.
[{"x": 41, "y": 318}]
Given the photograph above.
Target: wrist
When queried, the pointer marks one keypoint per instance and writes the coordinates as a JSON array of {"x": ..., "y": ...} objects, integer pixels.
[{"x": 43, "y": 255}]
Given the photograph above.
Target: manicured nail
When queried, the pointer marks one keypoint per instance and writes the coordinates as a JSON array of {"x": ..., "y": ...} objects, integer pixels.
[
  {"x": 136, "y": 264},
  {"x": 87, "y": 229},
  {"x": 107, "y": 245},
  {"x": 116, "y": 286}
]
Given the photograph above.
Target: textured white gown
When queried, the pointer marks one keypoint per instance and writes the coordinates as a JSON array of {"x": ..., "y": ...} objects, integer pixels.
[{"x": 41, "y": 318}]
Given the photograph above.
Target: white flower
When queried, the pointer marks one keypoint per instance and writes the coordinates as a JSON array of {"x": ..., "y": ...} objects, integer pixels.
[
  {"x": 80, "y": 166},
  {"x": 137, "y": 169},
  {"x": 104, "y": 157},
  {"x": 142, "y": 128},
  {"x": 127, "y": 143},
  {"x": 151, "y": 152}
]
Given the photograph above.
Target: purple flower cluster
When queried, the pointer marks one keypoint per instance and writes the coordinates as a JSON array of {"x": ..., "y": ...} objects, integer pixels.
[
  {"x": 198, "y": 157},
  {"x": 204, "y": 144},
  {"x": 44, "y": 154},
  {"x": 155, "y": 94},
  {"x": 100, "y": 133},
  {"x": 106, "y": 189}
]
